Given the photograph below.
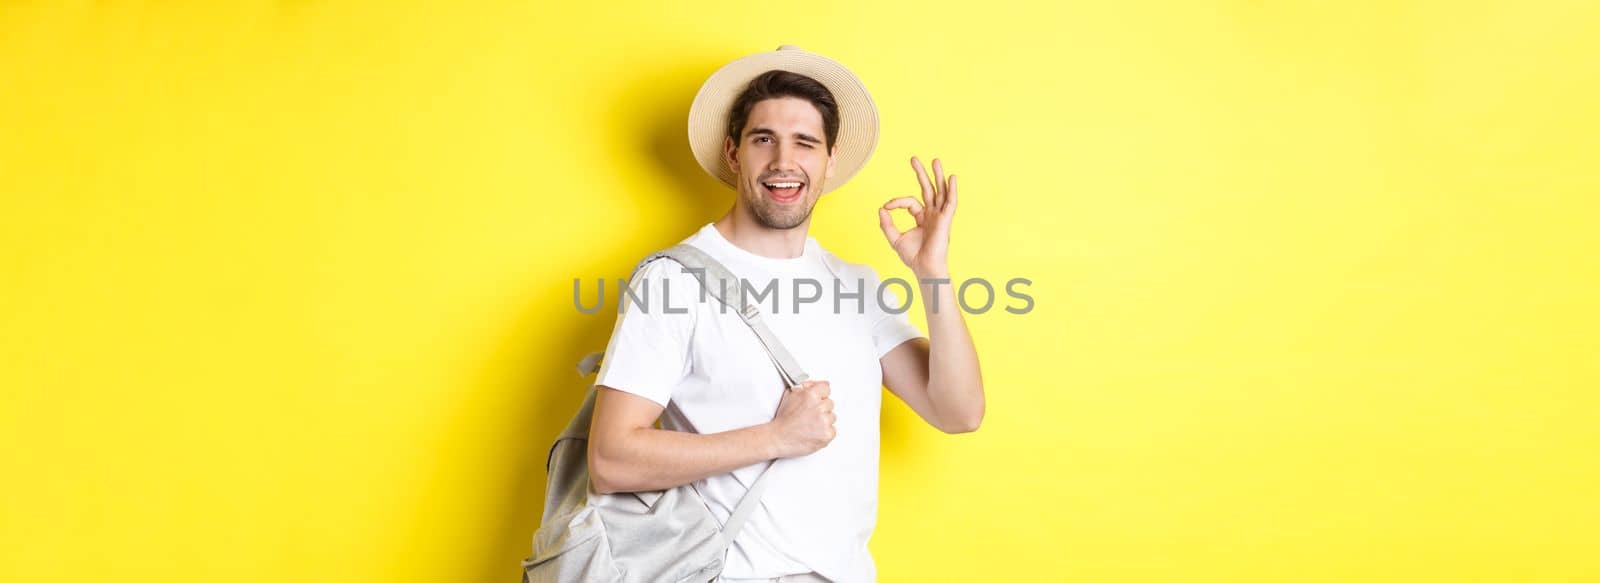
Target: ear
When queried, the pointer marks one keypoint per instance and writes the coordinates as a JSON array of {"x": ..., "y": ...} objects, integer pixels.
[{"x": 730, "y": 154}]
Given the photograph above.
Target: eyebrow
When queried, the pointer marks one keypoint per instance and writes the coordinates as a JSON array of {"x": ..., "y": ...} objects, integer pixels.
[{"x": 802, "y": 136}]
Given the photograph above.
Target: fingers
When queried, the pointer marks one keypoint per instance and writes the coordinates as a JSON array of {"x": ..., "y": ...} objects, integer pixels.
[
  {"x": 950, "y": 206},
  {"x": 944, "y": 216},
  {"x": 906, "y": 202},
  {"x": 937, "y": 193},
  {"x": 928, "y": 193},
  {"x": 886, "y": 223},
  {"x": 820, "y": 390}
]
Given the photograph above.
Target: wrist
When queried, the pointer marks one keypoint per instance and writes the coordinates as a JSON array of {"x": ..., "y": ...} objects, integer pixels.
[
  {"x": 940, "y": 272},
  {"x": 767, "y": 440}
]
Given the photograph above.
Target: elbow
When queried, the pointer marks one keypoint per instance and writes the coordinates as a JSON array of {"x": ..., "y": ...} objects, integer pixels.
[
  {"x": 601, "y": 484},
  {"x": 966, "y": 424},
  {"x": 964, "y": 427},
  {"x": 604, "y": 475}
]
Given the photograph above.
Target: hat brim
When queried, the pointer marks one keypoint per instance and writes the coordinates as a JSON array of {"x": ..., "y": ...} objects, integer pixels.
[{"x": 858, "y": 116}]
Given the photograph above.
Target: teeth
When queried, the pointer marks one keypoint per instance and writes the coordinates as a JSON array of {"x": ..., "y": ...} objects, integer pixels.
[{"x": 784, "y": 184}]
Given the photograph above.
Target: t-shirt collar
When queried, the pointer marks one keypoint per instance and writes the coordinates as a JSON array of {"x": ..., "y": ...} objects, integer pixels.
[{"x": 808, "y": 255}]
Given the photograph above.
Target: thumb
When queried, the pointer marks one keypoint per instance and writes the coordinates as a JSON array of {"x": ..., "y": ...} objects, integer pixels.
[{"x": 886, "y": 222}]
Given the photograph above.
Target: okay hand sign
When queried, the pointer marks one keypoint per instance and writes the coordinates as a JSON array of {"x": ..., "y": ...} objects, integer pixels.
[{"x": 924, "y": 247}]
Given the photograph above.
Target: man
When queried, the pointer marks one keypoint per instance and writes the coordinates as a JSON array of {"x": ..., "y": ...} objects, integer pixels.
[{"x": 783, "y": 128}]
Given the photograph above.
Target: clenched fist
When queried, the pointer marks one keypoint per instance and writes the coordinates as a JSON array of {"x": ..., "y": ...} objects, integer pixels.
[{"x": 804, "y": 422}]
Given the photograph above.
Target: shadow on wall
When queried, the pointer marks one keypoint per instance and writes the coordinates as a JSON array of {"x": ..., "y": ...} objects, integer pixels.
[{"x": 655, "y": 106}]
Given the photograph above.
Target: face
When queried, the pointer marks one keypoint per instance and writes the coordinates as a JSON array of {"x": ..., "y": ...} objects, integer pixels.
[{"x": 780, "y": 161}]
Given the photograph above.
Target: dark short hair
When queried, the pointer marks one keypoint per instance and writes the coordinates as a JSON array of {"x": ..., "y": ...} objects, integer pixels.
[{"x": 774, "y": 84}]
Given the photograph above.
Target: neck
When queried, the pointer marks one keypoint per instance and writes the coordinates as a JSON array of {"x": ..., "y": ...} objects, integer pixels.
[{"x": 745, "y": 232}]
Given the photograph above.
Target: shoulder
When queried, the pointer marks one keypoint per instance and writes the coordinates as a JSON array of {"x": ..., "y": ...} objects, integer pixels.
[
  {"x": 660, "y": 268},
  {"x": 864, "y": 279},
  {"x": 662, "y": 287},
  {"x": 848, "y": 271}
]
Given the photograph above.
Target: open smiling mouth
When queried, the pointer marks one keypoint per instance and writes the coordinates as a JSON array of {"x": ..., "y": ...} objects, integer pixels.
[{"x": 784, "y": 191}]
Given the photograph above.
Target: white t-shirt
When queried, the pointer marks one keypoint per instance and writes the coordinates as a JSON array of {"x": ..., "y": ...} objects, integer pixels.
[{"x": 710, "y": 372}]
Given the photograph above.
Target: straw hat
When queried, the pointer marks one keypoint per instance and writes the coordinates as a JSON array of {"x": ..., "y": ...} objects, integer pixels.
[{"x": 858, "y": 117}]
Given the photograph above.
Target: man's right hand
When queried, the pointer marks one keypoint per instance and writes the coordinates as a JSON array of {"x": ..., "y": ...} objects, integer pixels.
[{"x": 804, "y": 422}]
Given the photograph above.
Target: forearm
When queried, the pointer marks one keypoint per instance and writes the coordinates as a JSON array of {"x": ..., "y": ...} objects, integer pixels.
[
  {"x": 646, "y": 458},
  {"x": 955, "y": 383}
]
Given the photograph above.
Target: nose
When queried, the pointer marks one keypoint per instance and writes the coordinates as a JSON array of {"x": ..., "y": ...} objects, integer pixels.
[{"x": 784, "y": 160}]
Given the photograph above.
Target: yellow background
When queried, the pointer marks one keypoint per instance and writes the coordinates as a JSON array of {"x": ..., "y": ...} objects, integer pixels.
[{"x": 287, "y": 286}]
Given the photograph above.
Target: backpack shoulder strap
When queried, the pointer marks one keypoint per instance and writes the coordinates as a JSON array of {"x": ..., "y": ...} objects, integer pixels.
[
  {"x": 727, "y": 289},
  {"x": 719, "y": 283}
]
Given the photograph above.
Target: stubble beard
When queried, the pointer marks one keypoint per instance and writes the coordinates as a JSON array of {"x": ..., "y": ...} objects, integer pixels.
[{"x": 780, "y": 216}]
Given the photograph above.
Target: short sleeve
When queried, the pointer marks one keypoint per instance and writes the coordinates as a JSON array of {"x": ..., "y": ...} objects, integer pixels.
[
  {"x": 648, "y": 354},
  {"x": 889, "y": 329}
]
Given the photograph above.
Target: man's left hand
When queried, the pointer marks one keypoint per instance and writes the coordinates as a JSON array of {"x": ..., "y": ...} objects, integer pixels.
[{"x": 924, "y": 247}]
